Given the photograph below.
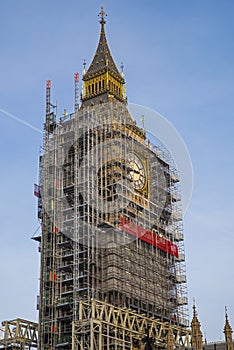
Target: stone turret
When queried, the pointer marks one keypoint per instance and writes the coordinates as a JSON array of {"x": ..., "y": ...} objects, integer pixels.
[
  {"x": 228, "y": 333},
  {"x": 196, "y": 331}
]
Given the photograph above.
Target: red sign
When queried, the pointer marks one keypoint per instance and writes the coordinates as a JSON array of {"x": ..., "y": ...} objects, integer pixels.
[
  {"x": 149, "y": 237},
  {"x": 36, "y": 190}
]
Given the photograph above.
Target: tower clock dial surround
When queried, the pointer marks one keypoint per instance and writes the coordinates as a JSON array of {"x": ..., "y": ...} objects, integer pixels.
[{"x": 136, "y": 171}]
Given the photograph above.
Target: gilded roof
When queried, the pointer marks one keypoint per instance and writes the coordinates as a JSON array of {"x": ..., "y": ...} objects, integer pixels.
[{"x": 103, "y": 60}]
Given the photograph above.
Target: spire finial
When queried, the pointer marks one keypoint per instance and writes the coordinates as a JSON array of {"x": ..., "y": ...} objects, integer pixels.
[
  {"x": 122, "y": 67},
  {"x": 226, "y": 314},
  {"x": 194, "y": 308},
  {"x": 84, "y": 66},
  {"x": 102, "y": 15}
]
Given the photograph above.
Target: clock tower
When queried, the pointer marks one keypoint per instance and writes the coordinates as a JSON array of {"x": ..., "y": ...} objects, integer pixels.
[{"x": 112, "y": 233}]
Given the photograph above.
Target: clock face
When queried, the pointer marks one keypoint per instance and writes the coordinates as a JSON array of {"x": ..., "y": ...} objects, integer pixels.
[{"x": 136, "y": 171}]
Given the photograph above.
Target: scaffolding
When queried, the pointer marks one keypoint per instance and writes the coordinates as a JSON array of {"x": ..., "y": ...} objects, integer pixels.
[
  {"x": 18, "y": 334},
  {"x": 104, "y": 326},
  {"x": 111, "y": 222}
]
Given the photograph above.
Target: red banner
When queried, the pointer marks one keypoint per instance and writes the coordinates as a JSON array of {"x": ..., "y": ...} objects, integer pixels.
[{"x": 149, "y": 237}]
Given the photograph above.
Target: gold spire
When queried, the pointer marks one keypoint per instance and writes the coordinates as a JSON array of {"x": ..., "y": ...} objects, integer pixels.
[
  {"x": 228, "y": 332},
  {"x": 102, "y": 79},
  {"x": 196, "y": 331}
]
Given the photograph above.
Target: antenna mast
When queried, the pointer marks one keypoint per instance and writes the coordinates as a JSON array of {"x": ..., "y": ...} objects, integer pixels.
[
  {"x": 76, "y": 85},
  {"x": 50, "y": 116},
  {"x": 48, "y": 88}
]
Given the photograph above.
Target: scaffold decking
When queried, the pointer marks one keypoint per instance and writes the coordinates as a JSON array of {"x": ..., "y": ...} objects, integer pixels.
[{"x": 107, "y": 233}]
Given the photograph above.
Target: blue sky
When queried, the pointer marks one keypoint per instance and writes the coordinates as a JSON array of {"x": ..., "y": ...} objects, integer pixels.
[{"x": 178, "y": 58}]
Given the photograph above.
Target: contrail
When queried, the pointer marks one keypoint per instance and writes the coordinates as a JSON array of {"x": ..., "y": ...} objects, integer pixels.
[{"x": 20, "y": 121}]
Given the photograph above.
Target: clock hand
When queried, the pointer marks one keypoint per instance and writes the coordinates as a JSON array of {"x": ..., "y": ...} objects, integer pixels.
[
  {"x": 132, "y": 170},
  {"x": 135, "y": 171}
]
